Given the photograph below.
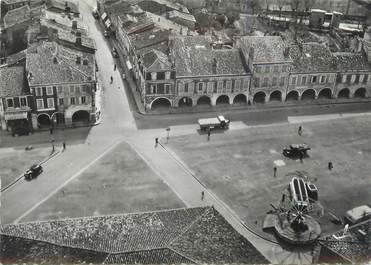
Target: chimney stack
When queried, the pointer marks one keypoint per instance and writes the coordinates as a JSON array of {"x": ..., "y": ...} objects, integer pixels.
[
  {"x": 74, "y": 24},
  {"x": 78, "y": 41},
  {"x": 286, "y": 52},
  {"x": 78, "y": 60}
]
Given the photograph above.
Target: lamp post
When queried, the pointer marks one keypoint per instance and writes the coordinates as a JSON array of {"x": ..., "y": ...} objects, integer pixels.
[{"x": 168, "y": 134}]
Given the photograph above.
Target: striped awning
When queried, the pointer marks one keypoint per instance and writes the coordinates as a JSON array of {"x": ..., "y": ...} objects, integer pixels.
[{"x": 15, "y": 116}]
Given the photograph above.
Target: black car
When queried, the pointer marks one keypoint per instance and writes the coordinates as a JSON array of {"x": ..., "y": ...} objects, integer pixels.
[
  {"x": 21, "y": 131},
  {"x": 95, "y": 14},
  {"x": 296, "y": 151},
  {"x": 33, "y": 172}
]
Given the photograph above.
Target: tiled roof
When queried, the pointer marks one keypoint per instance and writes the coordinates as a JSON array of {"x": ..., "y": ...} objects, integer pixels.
[
  {"x": 152, "y": 5},
  {"x": 312, "y": 57},
  {"x": 267, "y": 49},
  {"x": 50, "y": 63},
  {"x": 68, "y": 36},
  {"x": 59, "y": 4},
  {"x": 123, "y": 7},
  {"x": 351, "y": 61},
  {"x": 17, "y": 16},
  {"x": 156, "y": 60},
  {"x": 63, "y": 21},
  {"x": 194, "y": 56},
  {"x": 185, "y": 16},
  {"x": 11, "y": 81},
  {"x": 149, "y": 38},
  {"x": 354, "y": 248},
  {"x": 193, "y": 235},
  {"x": 16, "y": 58},
  {"x": 11, "y": 2}
]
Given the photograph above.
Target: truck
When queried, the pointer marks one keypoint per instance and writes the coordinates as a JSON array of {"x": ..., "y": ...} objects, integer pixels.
[{"x": 213, "y": 123}]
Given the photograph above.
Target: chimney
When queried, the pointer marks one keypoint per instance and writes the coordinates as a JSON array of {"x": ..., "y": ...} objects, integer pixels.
[
  {"x": 214, "y": 65},
  {"x": 74, "y": 24},
  {"x": 286, "y": 52},
  {"x": 78, "y": 41},
  {"x": 78, "y": 60},
  {"x": 55, "y": 60}
]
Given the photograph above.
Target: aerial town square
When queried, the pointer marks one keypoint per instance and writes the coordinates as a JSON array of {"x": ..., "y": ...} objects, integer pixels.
[{"x": 185, "y": 131}]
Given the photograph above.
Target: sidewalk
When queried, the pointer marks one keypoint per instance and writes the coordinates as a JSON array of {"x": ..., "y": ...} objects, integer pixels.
[{"x": 186, "y": 185}]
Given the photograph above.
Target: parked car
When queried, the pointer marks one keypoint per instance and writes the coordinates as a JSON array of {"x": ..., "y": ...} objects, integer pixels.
[
  {"x": 95, "y": 14},
  {"x": 114, "y": 53},
  {"x": 296, "y": 150},
  {"x": 21, "y": 131},
  {"x": 106, "y": 33},
  {"x": 33, "y": 172}
]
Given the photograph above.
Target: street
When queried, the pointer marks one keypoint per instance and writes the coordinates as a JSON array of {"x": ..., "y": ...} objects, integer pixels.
[{"x": 120, "y": 124}]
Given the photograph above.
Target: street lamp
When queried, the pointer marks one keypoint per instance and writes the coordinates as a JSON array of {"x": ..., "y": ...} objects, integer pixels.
[{"x": 168, "y": 134}]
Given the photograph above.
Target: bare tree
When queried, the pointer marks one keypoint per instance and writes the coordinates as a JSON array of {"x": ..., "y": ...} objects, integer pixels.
[{"x": 295, "y": 7}]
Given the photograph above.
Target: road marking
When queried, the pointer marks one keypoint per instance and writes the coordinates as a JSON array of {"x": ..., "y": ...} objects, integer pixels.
[{"x": 66, "y": 182}]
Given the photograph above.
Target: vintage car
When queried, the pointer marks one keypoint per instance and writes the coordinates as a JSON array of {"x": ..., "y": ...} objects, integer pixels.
[
  {"x": 33, "y": 172},
  {"x": 296, "y": 150},
  {"x": 114, "y": 53}
]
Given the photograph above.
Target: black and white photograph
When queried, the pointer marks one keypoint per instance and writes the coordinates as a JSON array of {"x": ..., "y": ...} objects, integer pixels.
[{"x": 185, "y": 132}]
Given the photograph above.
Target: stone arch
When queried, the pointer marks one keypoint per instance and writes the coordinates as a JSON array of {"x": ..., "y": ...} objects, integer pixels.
[
  {"x": 160, "y": 103},
  {"x": 292, "y": 95},
  {"x": 204, "y": 100},
  {"x": 185, "y": 102},
  {"x": 259, "y": 97},
  {"x": 308, "y": 94},
  {"x": 43, "y": 120},
  {"x": 275, "y": 96},
  {"x": 81, "y": 116},
  {"x": 222, "y": 99},
  {"x": 240, "y": 99},
  {"x": 344, "y": 93},
  {"x": 57, "y": 118},
  {"x": 360, "y": 93},
  {"x": 325, "y": 93}
]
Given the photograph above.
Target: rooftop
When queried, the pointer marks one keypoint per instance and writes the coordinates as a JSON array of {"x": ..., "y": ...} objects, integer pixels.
[
  {"x": 12, "y": 81},
  {"x": 17, "y": 16},
  {"x": 70, "y": 37},
  {"x": 194, "y": 56},
  {"x": 12, "y": 2},
  {"x": 267, "y": 49},
  {"x": 312, "y": 57},
  {"x": 351, "y": 61},
  {"x": 16, "y": 58},
  {"x": 156, "y": 60},
  {"x": 193, "y": 235},
  {"x": 156, "y": 6},
  {"x": 61, "y": 5},
  {"x": 185, "y": 16},
  {"x": 51, "y": 63},
  {"x": 149, "y": 38}
]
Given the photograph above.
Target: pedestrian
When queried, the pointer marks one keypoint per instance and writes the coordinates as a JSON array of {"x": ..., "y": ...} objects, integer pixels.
[
  {"x": 300, "y": 130},
  {"x": 114, "y": 68},
  {"x": 156, "y": 142},
  {"x": 301, "y": 157},
  {"x": 275, "y": 172},
  {"x": 64, "y": 146},
  {"x": 330, "y": 166},
  {"x": 111, "y": 79},
  {"x": 208, "y": 135},
  {"x": 202, "y": 195},
  {"x": 51, "y": 130}
]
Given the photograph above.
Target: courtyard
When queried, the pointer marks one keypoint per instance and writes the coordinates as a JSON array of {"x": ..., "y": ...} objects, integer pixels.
[{"x": 237, "y": 166}]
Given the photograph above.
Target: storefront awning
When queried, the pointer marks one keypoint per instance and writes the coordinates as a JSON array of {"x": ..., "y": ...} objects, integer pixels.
[
  {"x": 108, "y": 23},
  {"x": 15, "y": 116},
  {"x": 104, "y": 16},
  {"x": 128, "y": 64}
]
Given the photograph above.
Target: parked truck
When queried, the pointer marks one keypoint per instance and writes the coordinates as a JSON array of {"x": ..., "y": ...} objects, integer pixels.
[{"x": 212, "y": 123}]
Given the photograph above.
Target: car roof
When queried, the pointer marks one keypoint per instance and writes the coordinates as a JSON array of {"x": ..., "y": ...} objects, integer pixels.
[{"x": 358, "y": 212}]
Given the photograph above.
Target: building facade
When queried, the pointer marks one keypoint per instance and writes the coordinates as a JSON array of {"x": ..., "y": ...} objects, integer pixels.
[{"x": 62, "y": 82}]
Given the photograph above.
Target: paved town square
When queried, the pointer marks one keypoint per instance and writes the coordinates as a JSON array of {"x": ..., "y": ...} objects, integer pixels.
[{"x": 185, "y": 131}]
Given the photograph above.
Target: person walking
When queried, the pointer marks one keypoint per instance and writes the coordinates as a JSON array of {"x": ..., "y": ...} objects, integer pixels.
[
  {"x": 64, "y": 146},
  {"x": 330, "y": 166},
  {"x": 300, "y": 130},
  {"x": 202, "y": 195},
  {"x": 114, "y": 67},
  {"x": 208, "y": 135},
  {"x": 51, "y": 130},
  {"x": 156, "y": 142},
  {"x": 275, "y": 172},
  {"x": 111, "y": 79}
]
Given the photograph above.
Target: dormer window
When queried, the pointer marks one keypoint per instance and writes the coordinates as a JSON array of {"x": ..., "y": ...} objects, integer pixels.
[{"x": 167, "y": 75}]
